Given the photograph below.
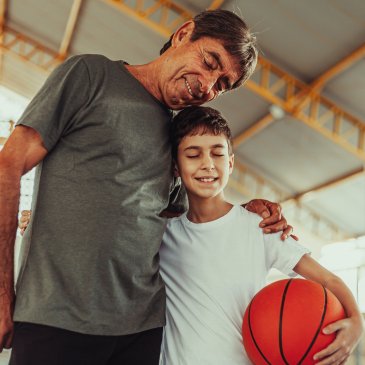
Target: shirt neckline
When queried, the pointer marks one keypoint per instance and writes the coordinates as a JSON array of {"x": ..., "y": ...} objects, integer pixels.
[
  {"x": 125, "y": 70},
  {"x": 212, "y": 224}
]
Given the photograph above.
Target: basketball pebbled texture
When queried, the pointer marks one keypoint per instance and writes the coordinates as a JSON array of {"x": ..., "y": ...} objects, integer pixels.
[{"x": 284, "y": 321}]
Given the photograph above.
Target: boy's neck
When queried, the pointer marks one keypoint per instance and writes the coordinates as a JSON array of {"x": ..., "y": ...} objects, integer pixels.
[{"x": 202, "y": 210}]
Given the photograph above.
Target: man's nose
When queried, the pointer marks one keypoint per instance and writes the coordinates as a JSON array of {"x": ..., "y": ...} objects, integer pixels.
[{"x": 207, "y": 83}]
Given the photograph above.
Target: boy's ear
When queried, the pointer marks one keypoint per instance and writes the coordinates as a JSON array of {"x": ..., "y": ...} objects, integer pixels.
[
  {"x": 231, "y": 163},
  {"x": 176, "y": 170},
  {"x": 183, "y": 33}
]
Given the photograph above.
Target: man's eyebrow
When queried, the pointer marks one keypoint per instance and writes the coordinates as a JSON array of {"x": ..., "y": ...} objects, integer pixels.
[
  {"x": 218, "y": 146},
  {"x": 218, "y": 59}
]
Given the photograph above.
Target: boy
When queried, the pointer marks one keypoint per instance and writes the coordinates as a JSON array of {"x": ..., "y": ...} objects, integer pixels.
[{"x": 214, "y": 258}]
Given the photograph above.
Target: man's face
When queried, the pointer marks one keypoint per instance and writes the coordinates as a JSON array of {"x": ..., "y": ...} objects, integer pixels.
[
  {"x": 196, "y": 72},
  {"x": 204, "y": 164}
]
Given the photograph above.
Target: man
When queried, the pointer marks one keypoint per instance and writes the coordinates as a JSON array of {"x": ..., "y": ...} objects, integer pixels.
[{"x": 89, "y": 290}]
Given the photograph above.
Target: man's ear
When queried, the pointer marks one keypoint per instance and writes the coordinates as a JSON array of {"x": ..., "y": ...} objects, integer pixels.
[
  {"x": 183, "y": 34},
  {"x": 231, "y": 163}
]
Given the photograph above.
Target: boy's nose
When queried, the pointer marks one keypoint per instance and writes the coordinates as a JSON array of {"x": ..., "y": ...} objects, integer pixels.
[{"x": 208, "y": 164}]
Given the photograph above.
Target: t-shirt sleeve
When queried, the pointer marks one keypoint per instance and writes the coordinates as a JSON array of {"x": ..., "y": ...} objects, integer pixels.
[
  {"x": 53, "y": 111},
  {"x": 283, "y": 255}
]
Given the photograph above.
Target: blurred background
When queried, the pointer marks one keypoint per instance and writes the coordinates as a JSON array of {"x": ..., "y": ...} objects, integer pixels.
[{"x": 298, "y": 123}]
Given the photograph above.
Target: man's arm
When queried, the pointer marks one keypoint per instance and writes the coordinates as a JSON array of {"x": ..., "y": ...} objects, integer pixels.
[{"x": 23, "y": 150}]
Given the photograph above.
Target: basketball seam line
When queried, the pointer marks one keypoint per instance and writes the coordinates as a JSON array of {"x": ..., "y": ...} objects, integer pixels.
[
  {"x": 253, "y": 337},
  {"x": 281, "y": 322},
  {"x": 319, "y": 327}
]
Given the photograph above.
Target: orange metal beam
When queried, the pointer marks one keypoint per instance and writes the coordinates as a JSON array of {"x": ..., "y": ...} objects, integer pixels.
[
  {"x": 28, "y": 50},
  {"x": 216, "y": 4},
  {"x": 317, "y": 112},
  {"x": 274, "y": 85},
  {"x": 257, "y": 127},
  {"x": 300, "y": 98},
  {"x": 310, "y": 193},
  {"x": 70, "y": 28},
  {"x": 338, "y": 68},
  {"x": 3, "y": 4},
  {"x": 169, "y": 14}
]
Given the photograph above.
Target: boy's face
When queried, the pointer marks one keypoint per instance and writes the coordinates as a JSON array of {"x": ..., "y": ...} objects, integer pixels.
[{"x": 204, "y": 164}]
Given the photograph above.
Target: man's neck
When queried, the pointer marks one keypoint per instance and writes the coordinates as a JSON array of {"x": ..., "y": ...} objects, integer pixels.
[
  {"x": 148, "y": 76},
  {"x": 202, "y": 210}
]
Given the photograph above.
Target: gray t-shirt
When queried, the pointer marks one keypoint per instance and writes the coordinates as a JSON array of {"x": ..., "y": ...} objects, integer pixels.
[{"x": 90, "y": 255}]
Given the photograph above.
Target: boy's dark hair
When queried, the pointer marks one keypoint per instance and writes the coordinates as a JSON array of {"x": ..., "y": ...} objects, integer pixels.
[
  {"x": 234, "y": 34},
  {"x": 198, "y": 119}
]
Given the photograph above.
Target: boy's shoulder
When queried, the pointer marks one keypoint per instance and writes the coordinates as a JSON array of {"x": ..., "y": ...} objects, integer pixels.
[
  {"x": 240, "y": 213},
  {"x": 171, "y": 222}
]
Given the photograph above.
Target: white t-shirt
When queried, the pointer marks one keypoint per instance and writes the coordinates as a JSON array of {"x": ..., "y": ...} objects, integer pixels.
[{"x": 212, "y": 270}]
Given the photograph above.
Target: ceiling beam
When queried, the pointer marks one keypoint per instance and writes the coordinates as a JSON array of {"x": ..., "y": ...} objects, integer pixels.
[
  {"x": 310, "y": 194},
  {"x": 215, "y": 4},
  {"x": 169, "y": 14},
  {"x": 3, "y": 6},
  {"x": 252, "y": 130},
  {"x": 70, "y": 28},
  {"x": 29, "y": 51},
  {"x": 339, "y": 126},
  {"x": 317, "y": 112},
  {"x": 250, "y": 184},
  {"x": 302, "y": 97},
  {"x": 338, "y": 68}
]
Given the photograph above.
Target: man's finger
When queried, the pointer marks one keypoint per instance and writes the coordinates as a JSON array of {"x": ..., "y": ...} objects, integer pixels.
[
  {"x": 286, "y": 233},
  {"x": 275, "y": 216},
  {"x": 9, "y": 341},
  {"x": 277, "y": 227},
  {"x": 24, "y": 219},
  {"x": 257, "y": 206},
  {"x": 23, "y": 224}
]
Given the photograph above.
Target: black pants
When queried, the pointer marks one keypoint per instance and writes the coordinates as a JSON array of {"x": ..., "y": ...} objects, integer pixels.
[{"x": 35, "y": 344}]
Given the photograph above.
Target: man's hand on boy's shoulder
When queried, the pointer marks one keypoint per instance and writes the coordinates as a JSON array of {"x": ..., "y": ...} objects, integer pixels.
[
  {"x": 24, "y": 220},
  {"x": 273, "y": 220}
]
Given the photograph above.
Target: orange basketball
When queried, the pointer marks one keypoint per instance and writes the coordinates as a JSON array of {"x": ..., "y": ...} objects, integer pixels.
[{"x": 284, "y": 321}]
